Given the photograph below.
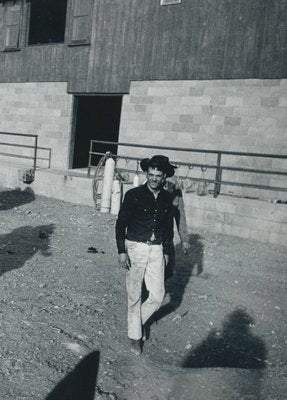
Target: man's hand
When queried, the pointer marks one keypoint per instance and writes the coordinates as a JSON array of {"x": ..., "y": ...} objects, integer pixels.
[
  {"x": 185, "y": 247},
  {"x": 124, "y": 261}
]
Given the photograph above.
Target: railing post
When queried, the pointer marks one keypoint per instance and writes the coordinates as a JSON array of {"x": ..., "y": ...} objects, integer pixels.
[
  {"x": 35, "y": 153},
  {"x": 90, "y": 158},
  {"x": 218, "y": 176}
]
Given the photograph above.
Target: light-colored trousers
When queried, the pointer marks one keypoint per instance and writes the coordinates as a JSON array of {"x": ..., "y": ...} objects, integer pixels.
[{"x": 147, "y": 264}]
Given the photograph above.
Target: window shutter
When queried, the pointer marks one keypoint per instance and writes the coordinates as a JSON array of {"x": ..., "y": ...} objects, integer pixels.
[
  {"x": 81, "y": 24},
  {"x": 12, "y": 25}
]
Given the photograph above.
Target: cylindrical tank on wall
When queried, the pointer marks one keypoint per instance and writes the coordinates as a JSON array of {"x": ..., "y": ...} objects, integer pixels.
[
  {"x": 116, "y": 197},
  {"x": 107, "y": 185},
  {"x": 136, "y": 180}
]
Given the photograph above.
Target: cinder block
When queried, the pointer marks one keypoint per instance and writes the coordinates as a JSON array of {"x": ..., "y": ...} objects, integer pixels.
[
  {"x": 141, "y": 100},
  {"x": 196, "y": 100},
  {"x": 208, "y": 130},
  {"x": 240, "y": 231},
  {"x": 269, "y": 102},
  {"x": 232, "y": 131},
  {"x": 225, "y": 206},
  {"x": 250, "y": 100},
  {"x": 252, "y": 82},
  {"x": 212, "y": 217},
  {"x": 140, "y": 108},
  {"x": 239, "y": 220},
  {"x": 233, "y": 121},
  {"x": 186, "y": 118},
  {"x": 196, "y": 91},
  {"x": 157, "y": 138},
  {"x": 244, "y": 209},
  {"x": 185, "y": 127},
  {"x": 132, "y": 116},
  {"x": 158, "y": 125},
  {"x": 262, "y": 236},
  {"x": 218, "y": 100},
  {"x": 283, "y": 102},
  {"x": 169, "y": 91},
  {"x": 234, "y": 101},
  {"x": 246, "y": 143},
  {"x": 246, "y": 111},
  {"x": 282, "y": 123},
  {"x": 278, "y": 239},
  {"x": 221, "y": 111},
  {"x": 271, "y": 82},
  {"x": 159, "y": 100}
]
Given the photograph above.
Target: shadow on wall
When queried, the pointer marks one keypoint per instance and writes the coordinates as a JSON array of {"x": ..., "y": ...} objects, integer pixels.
[
  {"x": 234, "y": 347},
  {"x": 15, "y": 198},
  {"x": 22, "y": 243},
  {"x": 79, "y": 384}
]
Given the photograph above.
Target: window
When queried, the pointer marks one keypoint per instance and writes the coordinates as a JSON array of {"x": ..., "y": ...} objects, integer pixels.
[
  {"x": 13, "y": 12},
  {"x": 47, "y": 21},
  {"x": 81, "y": 24}
]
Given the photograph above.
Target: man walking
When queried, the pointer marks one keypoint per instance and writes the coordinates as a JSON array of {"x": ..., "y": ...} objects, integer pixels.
[{"x": 144, "y": 234}]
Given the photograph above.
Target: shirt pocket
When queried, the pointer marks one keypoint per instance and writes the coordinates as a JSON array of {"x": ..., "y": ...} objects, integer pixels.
[
  {"x": 163, "y": 213},
  {"x": 143, "y": 211}
]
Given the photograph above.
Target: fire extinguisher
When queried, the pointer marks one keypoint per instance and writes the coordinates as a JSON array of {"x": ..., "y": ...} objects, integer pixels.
[{"x": 107, "y": 185}]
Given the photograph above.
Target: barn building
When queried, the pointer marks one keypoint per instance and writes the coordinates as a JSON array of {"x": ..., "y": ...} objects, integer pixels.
[{"x": 188, "y": 74}]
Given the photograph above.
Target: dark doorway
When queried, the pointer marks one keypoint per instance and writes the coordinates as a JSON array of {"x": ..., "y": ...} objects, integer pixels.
[{"x": 98, "y": 118}]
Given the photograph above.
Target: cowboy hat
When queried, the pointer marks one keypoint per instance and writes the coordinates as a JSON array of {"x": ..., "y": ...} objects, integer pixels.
[{"x": 160, "y": 162}]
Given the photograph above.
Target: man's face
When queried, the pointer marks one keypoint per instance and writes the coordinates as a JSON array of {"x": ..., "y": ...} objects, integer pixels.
[{"x": 155, "y": 178}]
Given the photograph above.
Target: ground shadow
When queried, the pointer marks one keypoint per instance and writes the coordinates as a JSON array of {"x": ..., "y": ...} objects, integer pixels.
[
  {"x": 15, "y": 198},
  {"x": 234, "y": 347},
  {"x": 232, "y": 363},
  {"x": 184, "y": 266},
  {"x": 22, "y": 243},
  {"x": 79, "y": 384},
  {"x": 194, "y": 257}
]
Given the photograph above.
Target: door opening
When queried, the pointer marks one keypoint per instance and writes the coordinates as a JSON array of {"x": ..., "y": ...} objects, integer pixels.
[{"x": 97, "y": 118}]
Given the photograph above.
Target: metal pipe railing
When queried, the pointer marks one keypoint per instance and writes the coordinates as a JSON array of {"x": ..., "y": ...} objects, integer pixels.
[
  {"x": 219, "y": 168},
  {"x": 207, "y": 151},
  {"x": 20, "y": 145}
]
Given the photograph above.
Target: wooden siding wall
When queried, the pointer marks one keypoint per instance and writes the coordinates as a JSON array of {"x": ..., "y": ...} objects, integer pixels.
[{"x": 141, "y": 40}]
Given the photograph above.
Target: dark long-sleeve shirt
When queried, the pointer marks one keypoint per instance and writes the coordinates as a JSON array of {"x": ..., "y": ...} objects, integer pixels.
[{"x": 143, "y": 218}]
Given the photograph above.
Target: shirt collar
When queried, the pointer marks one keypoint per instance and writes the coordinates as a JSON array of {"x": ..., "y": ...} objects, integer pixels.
[{"x": 149, "y": 191}]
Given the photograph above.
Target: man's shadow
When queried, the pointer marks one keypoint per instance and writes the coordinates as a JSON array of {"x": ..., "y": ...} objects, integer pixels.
[
  {"x": 236, "y": 357},
  {"x": 195, "y": 256},
  {"x": 181, "y": 266},
  {"x": 184, "y": 267},
  {"x": 234, "y": 347},
  {"x": 80, "y": 383},
  {"x": 15, "y": 198},
  {"x": 22, "y": 243}
]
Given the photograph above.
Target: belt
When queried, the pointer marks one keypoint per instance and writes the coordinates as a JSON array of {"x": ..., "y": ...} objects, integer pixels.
[{"x": 151, "y": 242}]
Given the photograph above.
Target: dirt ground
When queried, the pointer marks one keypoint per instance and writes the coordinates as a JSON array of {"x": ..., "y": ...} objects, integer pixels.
[{"x": 220, "y": 334}]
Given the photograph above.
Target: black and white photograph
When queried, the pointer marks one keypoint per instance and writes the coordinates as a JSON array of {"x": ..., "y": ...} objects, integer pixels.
[{"x": 143, "y": 199}]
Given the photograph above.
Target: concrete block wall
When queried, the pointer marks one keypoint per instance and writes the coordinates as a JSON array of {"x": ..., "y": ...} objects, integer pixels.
[
  {"x": 236, "y": 115},
  {"x": 246, "y": 218},
  {"x": 51, "y": 183},
  {"x": 42, "y": 108}
]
